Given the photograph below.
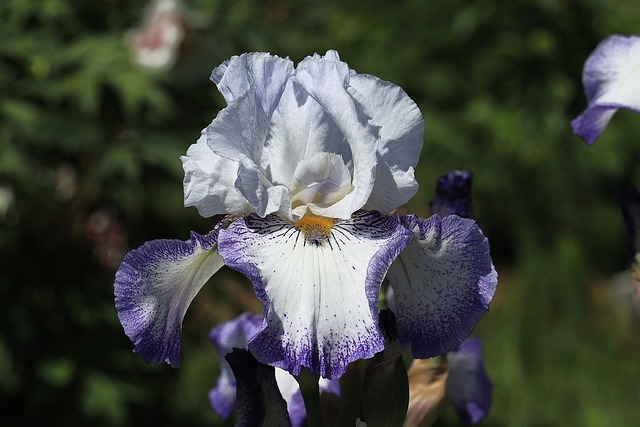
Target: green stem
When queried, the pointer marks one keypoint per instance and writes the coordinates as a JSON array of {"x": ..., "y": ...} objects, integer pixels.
[{"x": 311, "y": 394}]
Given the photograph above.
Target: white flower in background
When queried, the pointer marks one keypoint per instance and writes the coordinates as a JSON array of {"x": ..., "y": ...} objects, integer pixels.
[{"x": 611, "y": 79}]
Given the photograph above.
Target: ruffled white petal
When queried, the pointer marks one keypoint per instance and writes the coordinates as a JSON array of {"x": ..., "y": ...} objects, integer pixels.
[
  {"x": 326, "y": 80},
  {"x": 260, "y": 73},
  {"x": 299, "y": 129},
  {"x": 320, "y": 180},
  {"x": 252, "y": 85},
  {"x": 393, "y": 188},
  {"x": 278, "y": 117},
  {"x": 209, "y": 182},
  {"x": 401, "y": 138}
]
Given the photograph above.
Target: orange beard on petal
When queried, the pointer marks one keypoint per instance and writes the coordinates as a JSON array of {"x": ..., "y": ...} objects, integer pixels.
[{"x": 316, "y": 229}]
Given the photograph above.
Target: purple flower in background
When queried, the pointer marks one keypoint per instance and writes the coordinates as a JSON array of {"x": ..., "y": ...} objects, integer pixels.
[
  {"x": 308, "y": 165},
  {"x": 611, "y": 80},
  {"x": 453, "y": 194},
  {"x": 468, "y": 385},
  {"x": 235, "y": 334}
]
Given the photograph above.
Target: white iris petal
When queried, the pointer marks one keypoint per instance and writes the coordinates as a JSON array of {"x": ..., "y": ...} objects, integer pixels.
[
  {"x": 320, "y": 295},
  {"x": 319, "y": 180},
  {"x": 610, "y": 77}
]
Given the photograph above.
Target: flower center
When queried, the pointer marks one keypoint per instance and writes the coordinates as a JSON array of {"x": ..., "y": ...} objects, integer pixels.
[
  {"x": 321, "y": 179},
  {"x": 316, "y": 229}
]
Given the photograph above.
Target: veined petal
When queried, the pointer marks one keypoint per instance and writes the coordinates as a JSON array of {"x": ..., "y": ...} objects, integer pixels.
[
  {"x": 468, "y": 385},
  {"x": 443, "y": 283},
  {"x": 611, "y": 79},
  {"x": 153, "y": 288},
  {"x": 261, "y": 73},
  {"x": 209, "y": 182},
  {"x": 320, "y": 296},
  {"x": 401, "y": 139},
  {"x": 326, "y": 80},
  {"x": 253, "y": 85},
  {"x": 299, "y": 129}
]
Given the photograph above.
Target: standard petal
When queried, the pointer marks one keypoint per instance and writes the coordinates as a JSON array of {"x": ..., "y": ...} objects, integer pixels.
[
  {"x": 238, "y": 133},
  {"x": 209, "y": 182},
  {"x": 153, "y": 288},
  {"x": 299, "y": 128},
  {"x": 611, "y": 79},
  {"x": 326, "y": 79},
  {"x": 393, "y": 188},
  {"x": 225, "y": 337},
  {"x": 468, "y": 385},
  {"x": 261, "y": 73},
  {"x": 252, "y": 84},
  {"x": 443, "y": 283},
  {"x": 401, "y": 139},
  {"x": 320, "y": 297}
]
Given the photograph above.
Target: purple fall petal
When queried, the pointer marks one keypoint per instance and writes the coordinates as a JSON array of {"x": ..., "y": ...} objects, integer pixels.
[
  {"x": 443, "y": 283},
  {"x": 153, "y": 288}
]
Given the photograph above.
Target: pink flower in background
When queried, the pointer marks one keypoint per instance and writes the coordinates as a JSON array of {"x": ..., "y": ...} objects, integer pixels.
[{"x": 156, "y": 42}]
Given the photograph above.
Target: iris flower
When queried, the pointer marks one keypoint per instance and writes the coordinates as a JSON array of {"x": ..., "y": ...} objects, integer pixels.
[
  {"x": 611, "y": 79},
  {"x": 308, "y": 164}
]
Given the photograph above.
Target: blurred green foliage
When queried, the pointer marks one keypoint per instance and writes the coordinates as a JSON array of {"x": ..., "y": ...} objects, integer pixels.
[{"x": 89, "y": 167}]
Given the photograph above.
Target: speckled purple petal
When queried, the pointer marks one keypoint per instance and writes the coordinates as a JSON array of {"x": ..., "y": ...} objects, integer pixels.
[
  {"x": 153, "y": 288},
  {"x": 320, "y": 300},
  {"x": 443, "y": 283},
  {"x": 453, "y": 194},
  {"x": 611, "y": 81},
  {"x": 468, "y": 385}
]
